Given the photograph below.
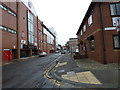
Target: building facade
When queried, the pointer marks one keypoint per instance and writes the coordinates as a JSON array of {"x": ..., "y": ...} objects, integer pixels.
[
  {"x": 73, "y": 44},
  {"x": 98, "y": 36},
  {"x": 22, "y": 33}
]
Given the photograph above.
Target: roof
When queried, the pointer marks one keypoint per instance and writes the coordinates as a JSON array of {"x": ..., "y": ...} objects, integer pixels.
[{"x": 48, "y": 30}]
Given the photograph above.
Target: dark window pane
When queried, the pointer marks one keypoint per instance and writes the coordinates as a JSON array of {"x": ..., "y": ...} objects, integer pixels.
[
  {"x": 116, "y": 41},
  {"x": 113, "y": 9},
  {"x": 118, "y": 9}
]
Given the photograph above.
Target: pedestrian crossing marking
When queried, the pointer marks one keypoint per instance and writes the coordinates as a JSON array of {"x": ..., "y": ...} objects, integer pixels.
[{"x": 82, "y": 77}]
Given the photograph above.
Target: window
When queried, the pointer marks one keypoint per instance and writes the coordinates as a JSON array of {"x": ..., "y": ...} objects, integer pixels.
[
  {"x": 116, "y": 41},
  {"x": 1, "y": 6},
  {"x": 1, "y": 27},
  {"x": 115, "y": 9},
  {"x": 30, "y": 28},
  {"x": 92, "y": 42},
  {"x": 81, "y": 32},
  {"x": 90, "y": 20},
  {"x": 6, "y": 9},
  {"x": 92, "y": 46},
  {"x": 7, "y": 29},
  {"x": 84, "y": 28}
]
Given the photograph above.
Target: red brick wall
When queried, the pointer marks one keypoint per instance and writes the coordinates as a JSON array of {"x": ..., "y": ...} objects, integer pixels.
[
  {"x": 22, "y": 22},
  {"x": 11, "y": 5},
  {"x": 9, "y": 21},
  {"x": 112, "y": 55}
]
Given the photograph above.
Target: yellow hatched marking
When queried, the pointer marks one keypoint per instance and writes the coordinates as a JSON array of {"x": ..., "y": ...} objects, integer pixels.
[
  {"x": 74, "y": 79},
  {"x": 82, "y": 78},
  {"x": 65, "y": 77},
  {"x": 91, "y": 78}
]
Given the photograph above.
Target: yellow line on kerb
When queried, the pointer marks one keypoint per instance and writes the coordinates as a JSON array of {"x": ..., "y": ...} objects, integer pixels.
[{"x": 58, "y": 83}]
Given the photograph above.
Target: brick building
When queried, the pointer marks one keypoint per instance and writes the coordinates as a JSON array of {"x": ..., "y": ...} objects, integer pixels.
[
  {"x": 98, "y": 37},
  {"x": 21, "y": 31},
  {"x": 73, "y": 44}
]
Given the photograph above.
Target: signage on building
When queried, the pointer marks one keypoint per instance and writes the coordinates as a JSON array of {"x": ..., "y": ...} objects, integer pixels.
[
  {"x": 23, "y": 35},
  {"x": 6, "y": 49},
  {"x": 116, "y": 21},
  {"x": 110, "y": 28},
  {"x": 35, "y": 44},
  {"x": 23, "y": 41},
  {"x": 29, "y": 5},
  {"x": 118, "y": 25}
]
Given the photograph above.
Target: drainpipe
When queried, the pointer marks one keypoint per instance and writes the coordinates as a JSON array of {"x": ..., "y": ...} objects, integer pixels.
[
  {"x": 102, "y": 31},
  {"x": 38, "y": 35}
]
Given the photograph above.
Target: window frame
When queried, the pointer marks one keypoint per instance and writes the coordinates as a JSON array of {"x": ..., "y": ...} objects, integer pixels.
[
  {"x": 92, "y": 48},
  {"x": 118, "y": 41},
  {"x": 90, "y": 20},
  {"x": 30, "y": 23},
  {"x": 81, "y": 32},
  {"x": 115, "y": 9},
  {"x": 84, "y": 28}
]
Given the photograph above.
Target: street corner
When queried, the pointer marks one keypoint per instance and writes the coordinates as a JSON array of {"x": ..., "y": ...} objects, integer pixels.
[{"x": 86, "y": 77}]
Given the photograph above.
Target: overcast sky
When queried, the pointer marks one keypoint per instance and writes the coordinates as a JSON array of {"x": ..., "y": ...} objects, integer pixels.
[{"x": 64, "y": 15}]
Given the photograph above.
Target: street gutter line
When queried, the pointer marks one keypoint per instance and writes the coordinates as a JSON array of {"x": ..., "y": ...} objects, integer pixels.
[{"x": 47, "y": 71}]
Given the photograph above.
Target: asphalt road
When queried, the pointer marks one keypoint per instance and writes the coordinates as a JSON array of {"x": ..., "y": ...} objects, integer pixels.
[{"x": 28, "y": 74}]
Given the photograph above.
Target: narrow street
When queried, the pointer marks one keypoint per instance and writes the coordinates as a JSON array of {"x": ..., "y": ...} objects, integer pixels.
[{"x": 46, "y": 72}]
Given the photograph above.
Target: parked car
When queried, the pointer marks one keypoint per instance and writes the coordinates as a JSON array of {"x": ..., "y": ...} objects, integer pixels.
[
  {"x": 42, "y": 54},
  {"x": 57, "y": 51},
  {"x": 62, "y": 52}
]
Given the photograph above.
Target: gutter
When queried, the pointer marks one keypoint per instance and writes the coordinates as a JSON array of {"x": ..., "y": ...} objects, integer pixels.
[{"x": 103, "y": 38}]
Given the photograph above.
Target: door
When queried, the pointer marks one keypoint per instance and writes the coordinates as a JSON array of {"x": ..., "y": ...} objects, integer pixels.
[{"x": 6, "y": 56}]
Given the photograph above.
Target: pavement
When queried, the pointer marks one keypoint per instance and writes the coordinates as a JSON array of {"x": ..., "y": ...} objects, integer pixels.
[
  {"x": 85, "y": 73},
  {"x": 21, "y": 59}
]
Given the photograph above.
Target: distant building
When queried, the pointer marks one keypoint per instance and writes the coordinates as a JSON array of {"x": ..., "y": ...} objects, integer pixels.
[
  {"x": 97, "y": 35},
  {"x": 49, "y": 40},
  {"x": 73, "y": 44}
]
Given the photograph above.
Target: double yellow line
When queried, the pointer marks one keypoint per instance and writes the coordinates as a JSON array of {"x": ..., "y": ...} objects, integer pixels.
[{"x": 48, "y": 77}]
